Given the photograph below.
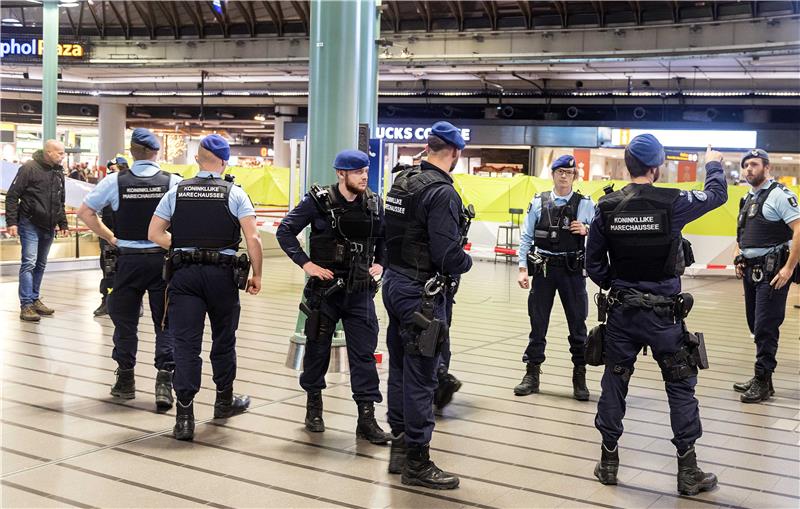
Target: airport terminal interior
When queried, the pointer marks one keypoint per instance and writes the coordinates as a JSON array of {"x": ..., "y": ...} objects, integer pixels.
[{"x": 289, "y": 84}]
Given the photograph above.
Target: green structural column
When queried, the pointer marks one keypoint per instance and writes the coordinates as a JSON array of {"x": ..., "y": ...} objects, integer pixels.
[
  {"x": 368, "y": 73},
  {"x": 333, "y": 85},
  {"x": 49, "y": 69},
  {"x": 333, "y": 101}
]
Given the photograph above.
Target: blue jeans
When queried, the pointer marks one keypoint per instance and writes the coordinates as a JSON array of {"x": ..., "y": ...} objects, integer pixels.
[{"x": 36, "y": 244}]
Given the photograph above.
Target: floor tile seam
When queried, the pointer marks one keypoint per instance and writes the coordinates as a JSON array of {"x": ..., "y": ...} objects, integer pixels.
[
  {"x": 105, "y": 357},
  {"x": 482, "y": 384},
  {"x": 46, "y": 495},
  {"x": 147, "y": 434},
  {"x": 566, "y": 363},
  {"x": 144, "y": 391},
  {"x": 151, "y": 435},
  {"x": 629, "y": 419},
  {"x": 461, "y": 435}
]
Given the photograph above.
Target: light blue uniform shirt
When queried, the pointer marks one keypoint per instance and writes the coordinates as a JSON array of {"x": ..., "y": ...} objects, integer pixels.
[
  {"x": 781, "y": 204},
  {"x": 238, "y": 203},
  {"x": 107, "y": 193},
  {"x": 585, "y": 214}
]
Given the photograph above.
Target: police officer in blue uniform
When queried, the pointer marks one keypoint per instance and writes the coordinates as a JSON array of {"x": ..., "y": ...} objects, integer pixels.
[
  {"x": 346, "y": 254},
  {"x": 424, "y": 220},
  {"x": 636, "y": 251},
  {"x": 207, "y": 215},
  {"x": 768, "y": 237},
  {"x": 133, "y": 196},
  {"x": 551, "y": 253},
  {"x": 107, "y": 251}
]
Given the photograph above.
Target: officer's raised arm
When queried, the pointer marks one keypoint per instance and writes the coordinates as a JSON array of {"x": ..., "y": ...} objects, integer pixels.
[{"x": 693, "y": 204}]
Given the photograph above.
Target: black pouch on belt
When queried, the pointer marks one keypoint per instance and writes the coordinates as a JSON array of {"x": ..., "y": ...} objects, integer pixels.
[{"x": 595, "y": 346}]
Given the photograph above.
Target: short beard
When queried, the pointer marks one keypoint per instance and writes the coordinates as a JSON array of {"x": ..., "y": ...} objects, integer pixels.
[
  {"x": 352, "y": 189},
  {"x": 453, "y": 164},
  {"x": 757, "y": 180},
  {"x": 656, "y": 175}
]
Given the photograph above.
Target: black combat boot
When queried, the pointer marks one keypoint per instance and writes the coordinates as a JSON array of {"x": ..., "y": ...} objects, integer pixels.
[
  {"x": 579, "y": 389},
  {"x": 314, "y": 422},
  {"x": 760, "y": 389},
  {"x": 692, "y": 480},
  {"x": 184, "y": 421},
  {"x": 530, "y": 382},
  {"x": 367, "y": 427},
  {"x": 448, "y": 385},
  {"x": 125, "y": 386},
  {"x": 397, "y": 455},
  {"x": 606, "y": 469},
  {"x": 744, "y": 386},
  {"x": 229, "y": 404},
  {"x": 419, "y": 470},
  {"x": 102, "y": 309},
  {"x": 164, "y": 398}
]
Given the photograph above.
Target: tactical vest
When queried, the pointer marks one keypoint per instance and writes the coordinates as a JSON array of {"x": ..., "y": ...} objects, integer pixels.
[
  {"x": 138, "y": 199},
  {"x": 637, "y": 224},
  {"x": 346, "y": 245},
  {"x": 407, "y": 242},
  {"x": 755, "y": 230},
  {"x": 552, "y": 230},
  {"x": 202, "y": 217},
  {"x": 107, "y": 216}
]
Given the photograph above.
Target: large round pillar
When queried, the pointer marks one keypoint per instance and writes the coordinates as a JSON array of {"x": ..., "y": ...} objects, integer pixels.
[
  {"x": 111, "y": 125},
  {"x": 333, "y": 85},
  {"x": 368, "y": 62},
  {"x": 49, "y": 69}
]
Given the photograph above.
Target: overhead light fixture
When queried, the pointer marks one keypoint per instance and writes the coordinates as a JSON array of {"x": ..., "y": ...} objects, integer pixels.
[
  {"x": 10, "y": 20},
  {"x": 69, "y": 4},
  {"x": 786, "y": 158},
  {"x": 260, "y": 117},
  {"x": 257, "y": 140}
]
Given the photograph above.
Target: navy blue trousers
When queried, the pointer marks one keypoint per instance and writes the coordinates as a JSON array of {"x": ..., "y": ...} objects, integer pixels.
[
  {"x": 765, "y": 308},
  {"x": 194, "y": 291},
  {"x": 412, "y": 377},
  {"x": 357, "y": 313},
  {"x": 571, "y": 287},
  {"x": 627, "y": 331},
  {"x": 137, "y": 274}
]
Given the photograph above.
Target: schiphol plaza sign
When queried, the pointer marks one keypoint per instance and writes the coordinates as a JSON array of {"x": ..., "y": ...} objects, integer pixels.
[{"x": 33, "y": 47}]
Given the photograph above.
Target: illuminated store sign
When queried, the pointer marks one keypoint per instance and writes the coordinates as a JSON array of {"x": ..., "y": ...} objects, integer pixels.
[
  {"x": 685, "y": 138},
  {"x": 35, "y": 47},
  {"x": 405, "y": 133},
  {"x": 681, "y": 156}
]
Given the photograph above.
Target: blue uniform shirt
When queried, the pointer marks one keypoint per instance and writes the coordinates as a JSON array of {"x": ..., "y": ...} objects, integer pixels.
[
  {"x": 780, "y": 205},
  {"x": 107, "y": 193},
  {"x": 689, "y": 206},
  {"x": 585, "y": 214},
  {"x": 306, "y": 213},
  {"x": 238, "y": 203}
]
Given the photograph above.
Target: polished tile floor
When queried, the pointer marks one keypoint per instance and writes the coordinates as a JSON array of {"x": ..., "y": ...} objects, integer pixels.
[{"x": 66, "y": 442}]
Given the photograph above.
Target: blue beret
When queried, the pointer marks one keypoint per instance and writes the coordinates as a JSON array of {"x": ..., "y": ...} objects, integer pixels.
[
  {"x": 217, "y": 145},
  {"x": 121, "y": 161},
  {"x": 565, "y": 161},
  {"x": 351, "y": 160},
  {"x": 145, "y": 138},
  {"x": 648, "y": 150},
  {"x": 449, "y": 133},
  {"x": 756, "y": 152}
]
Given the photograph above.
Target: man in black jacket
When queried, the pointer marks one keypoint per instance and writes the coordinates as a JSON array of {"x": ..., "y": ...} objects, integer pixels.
[{"x": 34, "y": 210}]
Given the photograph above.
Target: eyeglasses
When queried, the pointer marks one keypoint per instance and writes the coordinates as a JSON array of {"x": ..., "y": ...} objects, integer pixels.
[{"x": 564, "y": 173}]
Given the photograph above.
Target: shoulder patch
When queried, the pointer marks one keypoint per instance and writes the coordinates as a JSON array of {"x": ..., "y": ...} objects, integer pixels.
[
  {"x": 700, "y": 195},
  {"x": 530, "y": 206},
  {"x": 792, "y": 201}
]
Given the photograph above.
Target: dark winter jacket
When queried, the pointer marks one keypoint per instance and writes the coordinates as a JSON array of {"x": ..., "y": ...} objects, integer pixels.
[{"x": 37, "y": 193}]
